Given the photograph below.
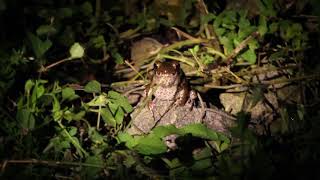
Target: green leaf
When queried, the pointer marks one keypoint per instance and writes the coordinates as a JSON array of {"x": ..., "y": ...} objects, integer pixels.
[
  {"x": 79, "y": 115},
  {"x": 69, "y": 94},
  {"x": 73, "y": 131},
  {"x": 76, "y": 51},
  {"x": 39, "y": 47},
  {"x": 162, "y": 131},
  {"x": 93, "y": 87},
  {"x": 250, "y": 56},
  {"x": 86, "y": 8},
  {"x": 273, "y": 27},
  {"x": 27, "y": 87},
  {"x": 37, "y": 92},
  {"x": 120, "y": 100},
  {"x": 100, "y": 100},
  {"x": 95, "y": 136},
  {"x": 45, "y": 30},
  {"x": 25, "y": 118},
  {"x": 67, "y": 115},
  {"x": 119, "y": 116},
  {"x": 118, "y": 58},
  {"x": 151, "y": 144},
  {"x": 107, "y": 116},
  {"x": 92, "y": 172},
  {"x": 98, "y": 42},
  {"x": 262, "y": 28},
  {"x": 63, "y": 145},
  {"x": 200, "y": 130},
  {"x": 55, "y": 104},
  {"x": 227, "y": 44},
  {"x": 124, "y": 137}
]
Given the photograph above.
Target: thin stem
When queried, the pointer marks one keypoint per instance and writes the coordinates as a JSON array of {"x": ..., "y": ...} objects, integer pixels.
[
  {"x": 45, "y": 69},
  {"x": 182, "y": 59},
  {"x": 51, "y": 163},
  {"x": 77, "y": 145}
]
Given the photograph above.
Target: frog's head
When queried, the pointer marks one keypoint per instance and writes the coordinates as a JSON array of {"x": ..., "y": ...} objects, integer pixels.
[{"x": 167, "y": 73}]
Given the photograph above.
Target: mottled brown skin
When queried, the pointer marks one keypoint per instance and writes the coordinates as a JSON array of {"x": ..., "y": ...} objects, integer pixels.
[{"x": 168, "y": 83}]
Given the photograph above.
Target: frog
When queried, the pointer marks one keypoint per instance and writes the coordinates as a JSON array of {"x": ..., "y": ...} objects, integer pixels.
[{"x": 169, "y": 84}]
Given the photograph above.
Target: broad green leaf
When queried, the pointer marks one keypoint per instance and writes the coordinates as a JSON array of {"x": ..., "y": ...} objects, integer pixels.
[
  {"x": 69, "y": 94},
  {"x": 200, "y": 130},
  {"x": 207, "y": 18},
  {"x": 56, "y": 104},
  {"x": 27, "y": 87},
  {"x": 250, "y": 56},
  {"x": 79, "y": 115},
  {"x": 262, "y": 28},
  {"x": 95, "y": 136},
  {"x": 37, "y": 92},
  {"x": 25, "y": 118},
  {"x": 162, "y": 131},
  {"x": 76, "y": 51},
  {"x": 86, "y": 8},
  {"x": 273, "y": 27},
  {"x": 39, "y": 47},
  {"x": 128, "y": 139},
  {"x": 107, "y": 116},
  {"x": 227, "y": 44},
  {"x": 120, "y": 100},
  {"x": 151, "y": 144},
  {"x": 76, "y": 143},
  {"x": 118, "y": 58},
  {"x": 45, "y": 30},
  {"x": 57, "y": 115},
  {"x": 119, "y": 116},
  {"x": 73, "y": 131},
  {"x": 266, "y": 8},
  {"x": 100, "y": 100},
  {"x": 98, "y": 42},
  {"x": 67, "y": 115},
  {"x": 113, "y": 107},
  {"x": 93, "y": 171},
  {"x": 93, "y": 87},
  {"x": 63, "y": 145}
]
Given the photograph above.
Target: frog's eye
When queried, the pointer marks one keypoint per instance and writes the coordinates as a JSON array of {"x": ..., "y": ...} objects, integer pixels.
[{"x": 176, "y": 65}]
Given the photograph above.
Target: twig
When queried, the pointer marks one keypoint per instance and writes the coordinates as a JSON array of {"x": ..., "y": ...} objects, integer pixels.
[
  {"x": 45, "y": 69},
  {"x": 134, "y": 69},
  {"x": 241, "y": 46},
  {"x": 182, "y": 59},
  {"x": 184, "y": 34},
  {"x": 75, "y": 143},
  {"x": 180, "y": 44},
  {"x": 270, "y": 82},
  {"x": 5, "y": 163}
]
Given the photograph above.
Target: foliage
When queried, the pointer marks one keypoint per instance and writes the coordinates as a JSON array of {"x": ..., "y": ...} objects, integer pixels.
[{"x": 52, "y": 115}]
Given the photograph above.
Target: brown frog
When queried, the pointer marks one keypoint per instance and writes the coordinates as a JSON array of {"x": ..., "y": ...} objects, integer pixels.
[{"x": 169, "y": 84}]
